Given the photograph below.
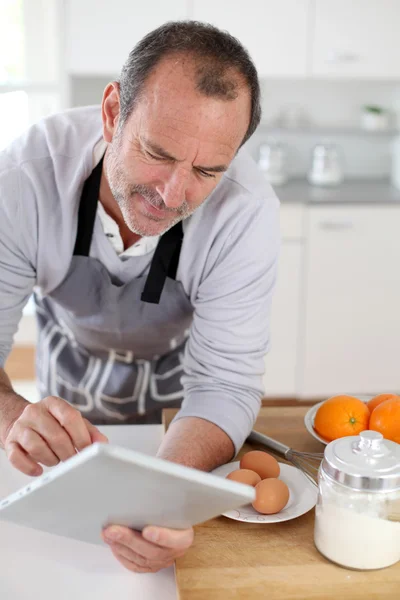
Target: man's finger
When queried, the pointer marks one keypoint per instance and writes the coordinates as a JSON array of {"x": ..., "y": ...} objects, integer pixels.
[
  {"x": 123, "y": 551},
  {"x": 176, "y": 539},
  {"x": 36, "y": 448},
  {"x": 71, "y": 420},
  {"x": 131, "y": 566},
  {"x": 171, "y": 542},
  {"x": 39, "y": 418},
  {"x": 134, "y": 540},
  {"x": 19, "y": 459},
  {"x": 95, "y": 434},
  {"x": 136, "y": 561}
]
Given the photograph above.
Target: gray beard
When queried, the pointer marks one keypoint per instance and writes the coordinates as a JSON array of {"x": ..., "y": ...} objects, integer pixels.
[
  {"x": 123, "y": 196},
  {"x": 153, "y": 198}
]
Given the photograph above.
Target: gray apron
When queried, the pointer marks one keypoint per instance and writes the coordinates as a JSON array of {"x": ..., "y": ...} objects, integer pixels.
[{"x": 114, "y": 350}]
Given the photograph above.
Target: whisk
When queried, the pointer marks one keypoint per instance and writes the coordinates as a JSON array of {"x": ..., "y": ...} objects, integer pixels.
[{"x": 307, "y": 462}]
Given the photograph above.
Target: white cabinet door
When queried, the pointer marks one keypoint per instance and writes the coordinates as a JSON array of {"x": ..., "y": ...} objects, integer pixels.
[
  {"x": 281, "y": 363},
  {"x": 101, "y": 33},
  {"x": 356, "y": 38},
  {"x": 273, "y": 31},
  {"x": 280, "y": 379},
  {"x": 352, "y": 299}
]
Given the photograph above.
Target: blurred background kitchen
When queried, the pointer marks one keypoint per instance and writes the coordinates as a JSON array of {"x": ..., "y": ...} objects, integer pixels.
[{"x": 328, "y": 142}]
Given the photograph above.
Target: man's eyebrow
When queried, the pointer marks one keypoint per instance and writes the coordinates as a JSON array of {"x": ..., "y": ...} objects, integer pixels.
[
  {"x": 164, "y": 154},
  {"x": 216, "y": 169}
]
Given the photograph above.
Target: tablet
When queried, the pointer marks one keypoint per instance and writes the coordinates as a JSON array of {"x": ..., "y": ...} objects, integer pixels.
[{"x": 105, "y": 484}]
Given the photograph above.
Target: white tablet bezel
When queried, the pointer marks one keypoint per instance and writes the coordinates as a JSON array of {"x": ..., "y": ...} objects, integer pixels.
[{"x": 121, "y": 486}]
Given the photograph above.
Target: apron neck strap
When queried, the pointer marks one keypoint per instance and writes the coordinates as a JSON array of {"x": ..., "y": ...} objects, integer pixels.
[
  {"x": 166, "y": 256},
  {"x": 164, "y": 264},
  {"x": 87, "y": 211}
]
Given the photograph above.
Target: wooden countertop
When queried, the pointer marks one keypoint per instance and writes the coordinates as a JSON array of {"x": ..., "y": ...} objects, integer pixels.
[{"x": 246, "y": 561}]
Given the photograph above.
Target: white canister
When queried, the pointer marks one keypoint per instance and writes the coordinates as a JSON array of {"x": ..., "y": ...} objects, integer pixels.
[{"x": 357, "y": 514}]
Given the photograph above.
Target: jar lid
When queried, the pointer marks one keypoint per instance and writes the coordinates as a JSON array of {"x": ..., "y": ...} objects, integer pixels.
[{"x": 363, "y": 462}]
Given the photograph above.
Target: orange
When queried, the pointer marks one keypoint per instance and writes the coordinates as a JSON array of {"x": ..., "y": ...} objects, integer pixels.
[
  {"x": 376, "y": 400},
  {"x": 341, "y": 416},
  {"x": 386, "y": 419}
]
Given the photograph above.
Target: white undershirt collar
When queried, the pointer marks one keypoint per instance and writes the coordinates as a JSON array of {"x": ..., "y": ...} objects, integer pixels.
[{"x": 110, "y": 227}]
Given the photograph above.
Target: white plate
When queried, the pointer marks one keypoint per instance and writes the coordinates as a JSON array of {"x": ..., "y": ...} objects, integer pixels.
[
  {"x": 302, "y": 496},
  {"x": 310, "y": 416}
]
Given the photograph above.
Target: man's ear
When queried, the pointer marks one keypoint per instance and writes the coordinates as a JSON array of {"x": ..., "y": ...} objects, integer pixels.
[{"x": 110, "y": 110}]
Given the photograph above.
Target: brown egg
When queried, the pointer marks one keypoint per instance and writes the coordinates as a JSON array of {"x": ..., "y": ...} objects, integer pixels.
[
  {"x": 244, "y": 476},
  {"x": 262, "y": 463},
  {"x": 271, "y": 496}
]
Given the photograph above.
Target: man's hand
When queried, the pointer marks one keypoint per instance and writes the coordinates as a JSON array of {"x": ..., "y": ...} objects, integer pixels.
[
  {"x": 152, "y": 550},
  {"x": 47, "y": 432}
]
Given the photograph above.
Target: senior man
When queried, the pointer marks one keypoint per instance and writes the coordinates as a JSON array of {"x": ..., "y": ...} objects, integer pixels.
[{"x": 150, "y": 241}]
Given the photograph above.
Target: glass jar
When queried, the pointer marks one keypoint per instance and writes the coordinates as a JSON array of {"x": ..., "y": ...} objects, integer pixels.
[
  {"x": 272, "y": 162},
  {"x": 357, "y": 517},
  {"x": 326, "y": 165}
]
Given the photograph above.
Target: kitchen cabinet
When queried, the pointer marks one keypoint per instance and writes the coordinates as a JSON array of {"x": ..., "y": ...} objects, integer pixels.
[
  {"x": 286, "y": 38},
  {"x": 281, "y": 363},
  {"x": 100, "y": 45},
  {"x": 350, "y": 325},
  {"x": 274, "y": 32},
  {"x": 100, "y": 34},
  {"x": 356, "y": 39}
]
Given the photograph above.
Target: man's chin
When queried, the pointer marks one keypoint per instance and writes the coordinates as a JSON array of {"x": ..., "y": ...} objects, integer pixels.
[{"x": 150, "y": 228}]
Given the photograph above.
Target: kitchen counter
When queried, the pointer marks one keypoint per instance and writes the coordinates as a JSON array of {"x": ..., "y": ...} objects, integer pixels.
[
  {"x": 243, "y": 561},
  {"x": 356, "y": 191}
]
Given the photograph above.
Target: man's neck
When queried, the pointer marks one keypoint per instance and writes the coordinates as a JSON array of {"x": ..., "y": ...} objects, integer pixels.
[{"x": 112, "y": 209}]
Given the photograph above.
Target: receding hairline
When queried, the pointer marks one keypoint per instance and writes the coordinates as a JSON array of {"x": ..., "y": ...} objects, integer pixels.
[{"x": 228, "y": 84}]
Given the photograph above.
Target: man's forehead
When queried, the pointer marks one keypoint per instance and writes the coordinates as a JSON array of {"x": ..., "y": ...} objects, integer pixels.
[
  {"x": 178, "y": 138},
  {"x": 209, "y": 121},
  {"x": 174, "y": 82},
  {"x": 170, "y": 106}
]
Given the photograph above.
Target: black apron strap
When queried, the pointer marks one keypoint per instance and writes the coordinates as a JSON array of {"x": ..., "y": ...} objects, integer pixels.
[
  {"x": 166, "y": 256},
  {"x": 164, "y": 264},
  {"x": 87, "y": 211}
]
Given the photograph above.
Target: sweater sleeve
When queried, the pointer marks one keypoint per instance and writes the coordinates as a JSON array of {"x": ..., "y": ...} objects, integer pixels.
[
  {"x": 17, "y": 251},
  {"x": 229, "y": 336}
]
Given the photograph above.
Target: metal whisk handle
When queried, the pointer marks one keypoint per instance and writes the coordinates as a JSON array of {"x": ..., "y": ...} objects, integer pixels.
[{"x": 268, "y": 442}]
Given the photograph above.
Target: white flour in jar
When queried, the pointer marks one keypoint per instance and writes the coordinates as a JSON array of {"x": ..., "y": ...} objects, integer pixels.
[{"x": 355, "y": 540}]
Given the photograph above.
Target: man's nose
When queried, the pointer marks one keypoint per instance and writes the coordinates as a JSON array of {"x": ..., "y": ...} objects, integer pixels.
[{"x": 174, "y": 190}]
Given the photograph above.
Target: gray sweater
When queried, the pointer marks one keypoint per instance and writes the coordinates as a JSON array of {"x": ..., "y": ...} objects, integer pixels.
[{"x": 227, "y": 266}]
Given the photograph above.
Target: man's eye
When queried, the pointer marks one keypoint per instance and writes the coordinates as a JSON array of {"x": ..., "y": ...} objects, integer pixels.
[
  {"x": 205, "y": 174},
  {"x": 153, "y": 156}
]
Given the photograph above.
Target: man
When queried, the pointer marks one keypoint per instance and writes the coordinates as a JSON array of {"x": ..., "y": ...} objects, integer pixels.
[{"x": 151, "y": 244}]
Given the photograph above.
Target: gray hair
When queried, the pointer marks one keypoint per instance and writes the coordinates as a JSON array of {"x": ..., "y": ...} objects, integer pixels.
[{"x": 218, "y": 57}]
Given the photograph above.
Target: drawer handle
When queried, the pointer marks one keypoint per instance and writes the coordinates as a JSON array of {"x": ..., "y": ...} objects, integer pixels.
[
  {"x": 336, "y": 225},
  {"x": 335, "y": 57}
]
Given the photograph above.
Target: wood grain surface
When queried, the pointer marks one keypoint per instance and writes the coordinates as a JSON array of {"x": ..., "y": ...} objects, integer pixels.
[
  {"x": 21, "y": 363},
  {"x": 246, "y": 561}
]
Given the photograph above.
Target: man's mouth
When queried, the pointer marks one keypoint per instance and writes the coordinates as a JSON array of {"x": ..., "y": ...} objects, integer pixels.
[{"x": 151, "y": 210}]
